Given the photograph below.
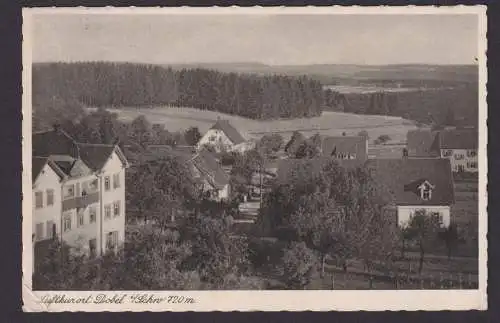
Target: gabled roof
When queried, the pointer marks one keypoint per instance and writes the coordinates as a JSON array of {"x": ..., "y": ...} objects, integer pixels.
[
  {"x": 96, "y": 155},
  {"x": 421, "y": 143},
  {"x": 458, "y": 139},
  {"x": 311, "y": 165},
  {"x": 427, "y": 143},
  {"x": 229, "y": 130},
  {"x": 345, "y": 144},
  {"x": 53, "y": 142},
  {"x": 402, "y": 177},
  {"x": 38, "y": 163},
  {"x": 208, "y": 166}
]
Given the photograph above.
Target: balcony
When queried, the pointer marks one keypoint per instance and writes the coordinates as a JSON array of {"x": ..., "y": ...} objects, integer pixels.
[{"x": 80, "y": 201}]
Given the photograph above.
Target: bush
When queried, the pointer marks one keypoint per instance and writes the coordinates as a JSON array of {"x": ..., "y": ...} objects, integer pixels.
[{"x": 382, "y": 139}]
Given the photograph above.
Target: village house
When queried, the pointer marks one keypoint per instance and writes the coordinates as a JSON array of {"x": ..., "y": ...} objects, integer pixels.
[
  {"x": 210, "y": 175},
  {"x": 222, "y": 136},
  {"x": 457, "y": 145},
  {"x": 416, "y": 184},
  {"x": 354, "y": 148},
  {"x": 204, "y": 168},
  {"x": 78, "y": 192}
]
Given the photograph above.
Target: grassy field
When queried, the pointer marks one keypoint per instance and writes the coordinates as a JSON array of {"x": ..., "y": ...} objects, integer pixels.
[{"x": 330, "y": 123}]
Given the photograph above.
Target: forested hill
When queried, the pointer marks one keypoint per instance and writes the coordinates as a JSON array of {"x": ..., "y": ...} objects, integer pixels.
[{"x": 103, "y": 84}]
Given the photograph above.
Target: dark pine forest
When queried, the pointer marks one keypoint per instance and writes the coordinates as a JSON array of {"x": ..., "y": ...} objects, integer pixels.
[{"x": 61, "y": 90}]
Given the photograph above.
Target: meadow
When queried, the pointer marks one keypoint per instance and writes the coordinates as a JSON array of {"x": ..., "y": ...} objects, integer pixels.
[{"x": 329, "y": 123}]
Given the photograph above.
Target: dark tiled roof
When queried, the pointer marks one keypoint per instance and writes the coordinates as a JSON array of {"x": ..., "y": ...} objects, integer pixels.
[
  {"x": 207, "y": 165},
  {"x": 38, "y": 163},
  {"x": 421, "y": 143},
  {"x": 345, "y": 144},
  {"x": 54, "y": 142},
  {"x": 312, "y": 165},
  {"x": 95, "y": 155},
  {"x": 402, "y": 176},
  {"x": 427, "y": 143},
  {"x": 458, "y": 139},
  {"x": 229, "y": 130}
]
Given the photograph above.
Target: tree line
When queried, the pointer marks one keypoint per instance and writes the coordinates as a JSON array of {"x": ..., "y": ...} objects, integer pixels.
[{"x": 105, "y": 84}]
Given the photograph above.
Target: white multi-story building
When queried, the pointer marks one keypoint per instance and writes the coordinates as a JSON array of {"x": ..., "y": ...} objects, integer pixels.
[
  {"x": 78, "y": 193},
  {"x": 457, "y": 145}
]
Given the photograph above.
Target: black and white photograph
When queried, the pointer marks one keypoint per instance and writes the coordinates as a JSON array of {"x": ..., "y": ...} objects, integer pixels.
[{"x": 306, "y": 151}]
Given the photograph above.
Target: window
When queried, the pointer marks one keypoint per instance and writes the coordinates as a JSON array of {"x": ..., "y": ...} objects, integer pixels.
[
  {"x": 69, "y": 191},
  {"x": 107, "y": 183},
  {"x": 50, "y": 197},
  {"x": 111, "y": 240},
  {"x": 107, "y": 211},
  {"x": 80, "y": 218},
  {"x": 38, "y": 200},
  {"x": 447, "y": 153},
  {"x": 67, "y": 222},
  {"x": 116, "y": 180},
  {"x": 116, "y": 208},
  {"x": 92, "y": 248},
  {"x": 471, "y": 153},
  {"x": 459, "y": 156},
  {"x": 426, "y": 194},
  {"x": 472, "y": 165},
  {"x": 39, "y": 231},
  {"x": 51, "y": 229},
  {"x": 92, "y": 214}
]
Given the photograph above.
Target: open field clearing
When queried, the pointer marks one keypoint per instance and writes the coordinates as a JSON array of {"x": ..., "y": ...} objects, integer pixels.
[{"x": 329, "y": 123}]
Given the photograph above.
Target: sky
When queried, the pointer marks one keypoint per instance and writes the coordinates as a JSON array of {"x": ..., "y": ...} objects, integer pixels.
[{"x": 269, "y": 39}]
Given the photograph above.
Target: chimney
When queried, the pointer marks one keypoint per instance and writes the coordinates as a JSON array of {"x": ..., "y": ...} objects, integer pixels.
[{"x": 405, "y": 153}]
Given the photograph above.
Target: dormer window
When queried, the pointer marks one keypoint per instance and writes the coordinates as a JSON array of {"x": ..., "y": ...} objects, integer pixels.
[{"x": 426, "y": 190}]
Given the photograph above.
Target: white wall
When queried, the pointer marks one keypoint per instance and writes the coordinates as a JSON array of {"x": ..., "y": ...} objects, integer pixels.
[
  {"x": 79, "y": 236},
  {"x": 48, "y": 179},
  {"x": 465, "y": 162},
  {"x": 405, "y": 212},
  {"x": 216, "y": 138},
  {"x": 113, "y": 166},
  {"x": 224, "y": 192}
]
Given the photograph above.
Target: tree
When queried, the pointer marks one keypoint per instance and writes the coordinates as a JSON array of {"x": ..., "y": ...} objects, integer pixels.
[
  {"x": 299, "y": 265},
  {"x": 293, "y": 144},
  {"x": 336, "y": 212},
  {"x": 270, "y": 144},
  {"x": 382, "y": 139},
  {"x": 192, "y": 136},
  {"x": 307, "y": 149},
  {"x": 215, "y": 252},
  {"x": 423, "y": 228},
  {"x": 450, "y": 237}
]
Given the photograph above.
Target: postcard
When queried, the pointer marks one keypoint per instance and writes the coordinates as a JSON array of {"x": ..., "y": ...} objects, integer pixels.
[{"x": 254, "y": 159}]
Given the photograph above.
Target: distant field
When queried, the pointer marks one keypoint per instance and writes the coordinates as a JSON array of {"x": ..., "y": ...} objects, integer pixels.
[{"x": 330, "y": 123}]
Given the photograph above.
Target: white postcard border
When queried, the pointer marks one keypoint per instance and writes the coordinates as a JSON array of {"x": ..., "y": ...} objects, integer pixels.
[{"x": 323, "y": 300}]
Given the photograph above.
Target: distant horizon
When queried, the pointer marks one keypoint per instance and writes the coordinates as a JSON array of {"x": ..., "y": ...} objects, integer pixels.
[
  {"x": 250, "y": 63},
  {"x": 272, "y": 40}
]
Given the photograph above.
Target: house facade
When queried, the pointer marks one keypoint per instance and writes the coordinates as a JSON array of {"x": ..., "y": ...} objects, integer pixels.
[
  {"x": 79, "y": 196},
  {"x": 416, "y": 184},
  {"x": 457, "y": 145},
  {"x": 222, "y": 136}
]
